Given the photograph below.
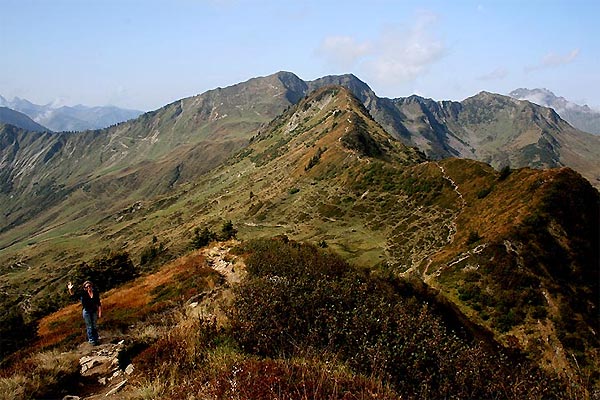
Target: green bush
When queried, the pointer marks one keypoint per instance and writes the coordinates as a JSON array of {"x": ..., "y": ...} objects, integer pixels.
[
  {"x": 107, "y": 272},
  {"x": 299, "y": 298},
  {"x": 14, "y": 331},
  {"x": 506, "y": 320},
  {"x": 314, "y": 160},
  {"x": 504, "y": 173},
  {"x": 483, "y": 193},
  {"x": 228, "y": 231},
  {"x": 470, "y": 291},
  {"x": 202, "y": 237},
  {"x": 152, "y": 253},
  {"x": 473, "y": 238}
]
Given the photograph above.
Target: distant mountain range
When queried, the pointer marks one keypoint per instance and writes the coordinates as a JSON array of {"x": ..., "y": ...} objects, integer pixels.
[
  {"x": 20, "y": 120},
  {"x": 581, "y": 117},
  {"x": 76, "y": 118}
]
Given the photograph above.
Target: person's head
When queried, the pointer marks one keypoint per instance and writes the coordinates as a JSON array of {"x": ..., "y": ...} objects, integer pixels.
[{"x": 88, "y": 285}]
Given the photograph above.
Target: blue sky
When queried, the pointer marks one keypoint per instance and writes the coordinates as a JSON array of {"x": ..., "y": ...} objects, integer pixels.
[{"x": 147, "y": 53}]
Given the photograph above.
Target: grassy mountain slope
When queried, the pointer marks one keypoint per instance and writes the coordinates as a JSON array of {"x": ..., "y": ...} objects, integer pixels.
[
  {"x": 504, "y": 132},
  {"x": 523, "y": 134},
  {"x": 282, "y": 319},
  {"x": 325, "y": 172},
  {"x": 524, "y": 266},
  {"x": 487, "y": 127},
  {"x": 173, "y": 144},
  {"x": 184, "y": 139},
  {"x": 512, "y": 252}
]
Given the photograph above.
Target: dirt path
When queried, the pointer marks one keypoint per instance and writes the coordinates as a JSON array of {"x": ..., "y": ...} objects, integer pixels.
[
  {"x": 221, "y": 260},
  {"x": 232, "y": 268},
  {"x": 454, "y": 185},
  {"x": 426, "y": 275}
]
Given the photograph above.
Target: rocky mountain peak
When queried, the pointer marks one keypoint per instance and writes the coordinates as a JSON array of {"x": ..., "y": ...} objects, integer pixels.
[{"x": 580, "y": 116}]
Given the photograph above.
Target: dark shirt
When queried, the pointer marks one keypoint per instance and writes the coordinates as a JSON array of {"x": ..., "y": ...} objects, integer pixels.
[{"x": 90, "y": 304}]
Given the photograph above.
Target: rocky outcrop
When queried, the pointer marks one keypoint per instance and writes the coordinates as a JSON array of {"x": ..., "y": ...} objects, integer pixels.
[{"x": 102, "y": 370}]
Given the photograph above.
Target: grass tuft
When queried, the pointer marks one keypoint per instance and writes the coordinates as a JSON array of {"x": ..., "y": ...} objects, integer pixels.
[{"x": 42, "y": 375}]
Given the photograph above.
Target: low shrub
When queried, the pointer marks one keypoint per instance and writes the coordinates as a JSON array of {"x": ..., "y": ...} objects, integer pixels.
[
  {"x": 107, "y": 271},
  {"x": 197, "y": 359},
  {"x": 15, "y": 332},
  {"x": 202, "y": 237},
  {"x": 473, "y": 238},
  {"x": 154, "y": 253},
  {"x": 299, "y": 378},
  {"x": 228, "y": 231},
  {"x": 315, "y": 159},
  {"x": 298, "y": 298},
  {"x": 483, "y": 193},
  {"x": 504, "y": 173}
]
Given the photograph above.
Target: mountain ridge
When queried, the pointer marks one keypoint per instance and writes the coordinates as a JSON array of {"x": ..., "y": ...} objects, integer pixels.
[
  {"x": 501, "y": 247},
  {"x": 20, "y": 120},
  {"x": 425, "y": 125},
  {"x": 192, "y": 135},
  {"x": 440, "y": 129}
]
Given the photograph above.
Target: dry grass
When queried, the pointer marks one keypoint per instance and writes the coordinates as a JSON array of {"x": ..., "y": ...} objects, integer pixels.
[
  {"x": 309, "y": 378},
  {"x": 147, "y": 389},
  {"x": 135, "y": 301},
  {"x": 151, "y": 298},
  {"x": 14, "y": 387},
  {"x": 39, "y": 375}
]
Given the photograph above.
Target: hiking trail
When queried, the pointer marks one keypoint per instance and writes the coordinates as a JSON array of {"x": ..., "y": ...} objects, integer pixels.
[{"x": 105, "y": 370}]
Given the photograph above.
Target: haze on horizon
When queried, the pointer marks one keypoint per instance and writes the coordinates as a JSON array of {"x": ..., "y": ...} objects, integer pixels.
[{"x": 145, "y": 54}]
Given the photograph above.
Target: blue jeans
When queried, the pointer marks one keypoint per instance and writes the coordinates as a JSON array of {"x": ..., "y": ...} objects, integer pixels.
[{"x": 91, "y": 321}]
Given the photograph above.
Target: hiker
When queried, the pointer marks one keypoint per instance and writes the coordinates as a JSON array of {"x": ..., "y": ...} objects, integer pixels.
[{"x": 92, "y": 309}]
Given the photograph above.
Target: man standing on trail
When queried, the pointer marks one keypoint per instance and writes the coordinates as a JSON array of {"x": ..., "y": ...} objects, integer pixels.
[{"x": 92, "y": 309}]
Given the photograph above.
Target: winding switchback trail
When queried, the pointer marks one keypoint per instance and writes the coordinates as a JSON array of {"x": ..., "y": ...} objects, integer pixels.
[{"x": 425, "y": 274}]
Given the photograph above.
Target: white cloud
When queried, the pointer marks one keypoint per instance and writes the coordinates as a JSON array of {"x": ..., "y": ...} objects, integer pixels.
[
  {"x": 497, "y": 74},
  {"x": 405, "y": 54},
  {"x": 552, "y": 59},
  {"x": 397, "y": 55},
  {"x": 342, "y": 51}
]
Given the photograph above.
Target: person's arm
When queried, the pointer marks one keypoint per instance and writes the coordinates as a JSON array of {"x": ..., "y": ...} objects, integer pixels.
[{"x": 74, "y": 294}]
